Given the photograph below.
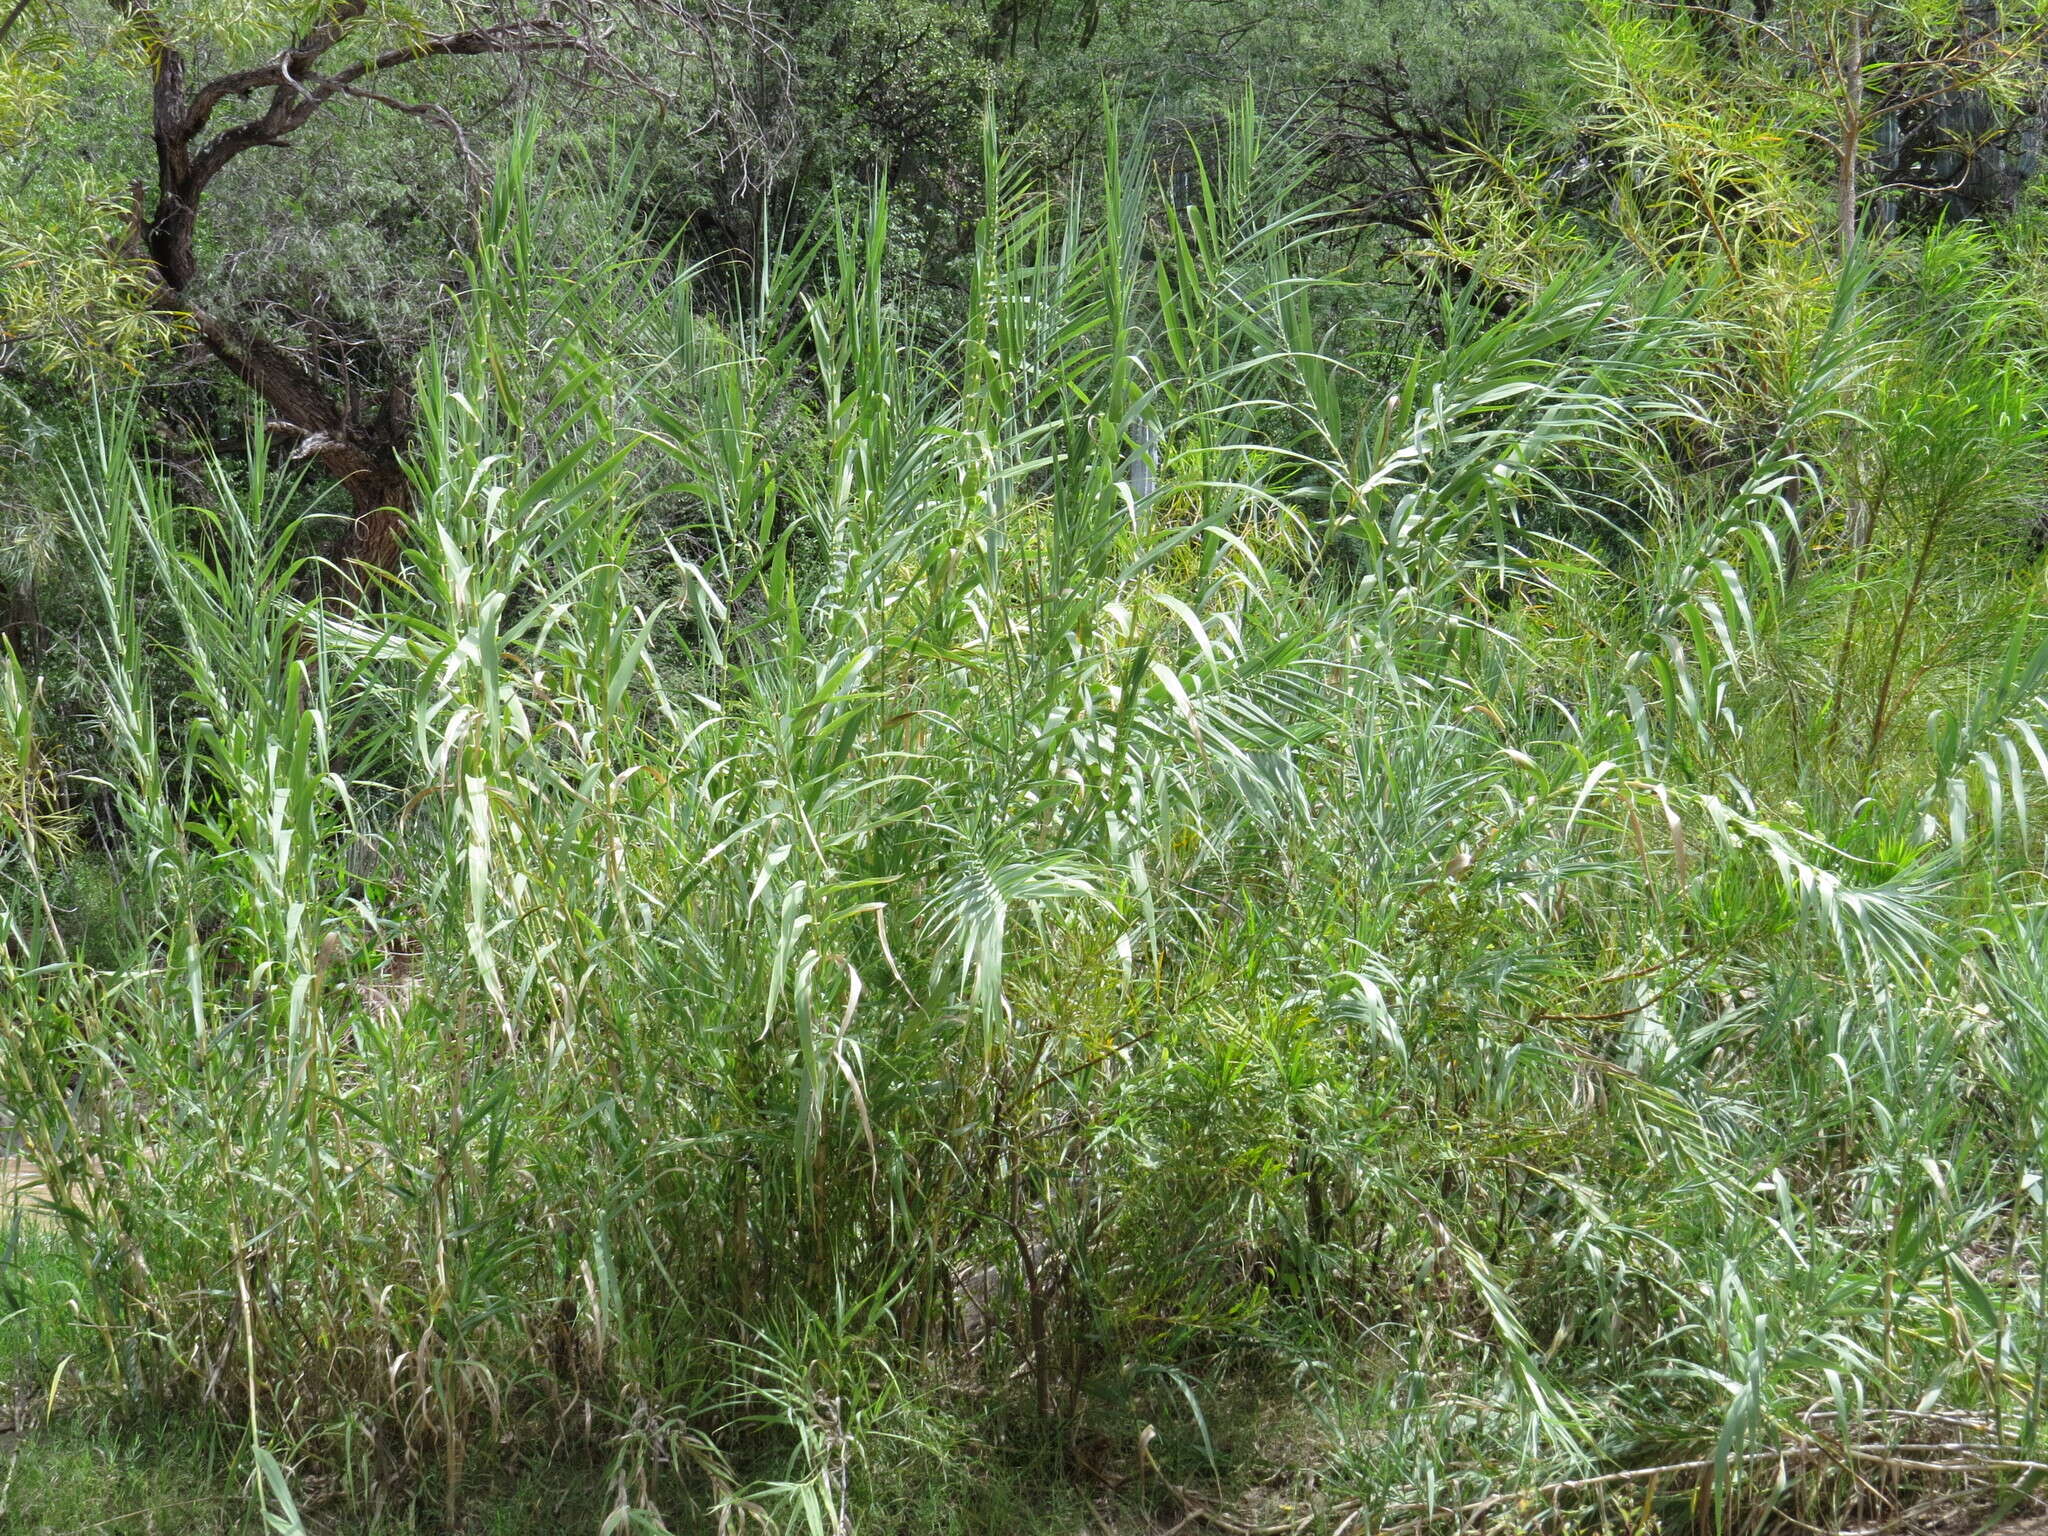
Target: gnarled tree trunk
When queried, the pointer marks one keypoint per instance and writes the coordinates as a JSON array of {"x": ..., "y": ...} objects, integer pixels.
[
  {"x": 360, "y": 453},
  {"x": 381, "y": 497}
]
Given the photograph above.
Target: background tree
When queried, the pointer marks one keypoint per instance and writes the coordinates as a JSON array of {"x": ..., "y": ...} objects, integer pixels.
[
  {"x": 104, "y": 259},
  {"x": 1813, "y": 117}
]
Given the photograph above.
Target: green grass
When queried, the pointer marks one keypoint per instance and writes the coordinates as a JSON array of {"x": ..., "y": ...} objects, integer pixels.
[
  {"x": 820, "y": 957},
  {"x": 63, "y": 1481},
  {"x": 172, "y": 1478}
]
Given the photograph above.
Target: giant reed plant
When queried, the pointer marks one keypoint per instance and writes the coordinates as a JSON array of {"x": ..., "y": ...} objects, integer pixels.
[{"x": 868, "y": 895}]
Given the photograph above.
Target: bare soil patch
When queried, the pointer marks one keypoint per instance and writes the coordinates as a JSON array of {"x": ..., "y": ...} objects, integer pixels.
[{"x": 18, "y": 1176}]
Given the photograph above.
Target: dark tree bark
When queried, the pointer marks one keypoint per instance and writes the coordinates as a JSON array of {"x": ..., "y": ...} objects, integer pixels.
[
  {"x": 361, "y": 453},
  {"x": 21, "y": 621},
  {"x": 359, "y": 447}
]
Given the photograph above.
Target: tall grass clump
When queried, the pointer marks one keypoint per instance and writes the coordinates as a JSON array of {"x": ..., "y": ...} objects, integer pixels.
[{"x": 874, "y": 912}]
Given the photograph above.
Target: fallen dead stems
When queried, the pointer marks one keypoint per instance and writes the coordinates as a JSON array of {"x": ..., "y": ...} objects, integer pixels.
[{"x": 1961, "y": 1458}]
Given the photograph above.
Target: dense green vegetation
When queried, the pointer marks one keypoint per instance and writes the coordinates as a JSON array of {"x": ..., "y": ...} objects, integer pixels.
[{"x": 1179, "y": 768}]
